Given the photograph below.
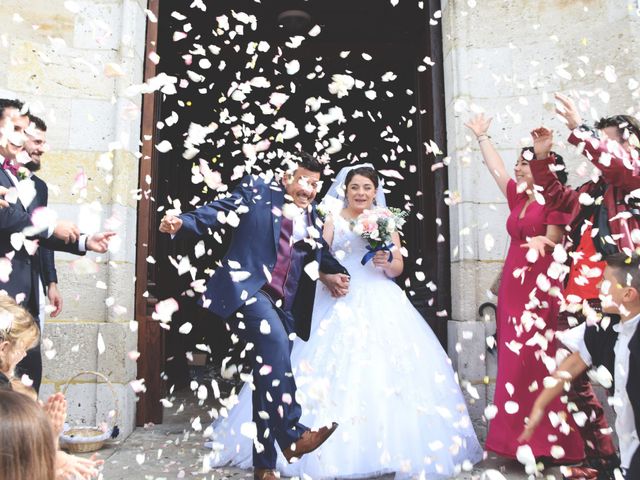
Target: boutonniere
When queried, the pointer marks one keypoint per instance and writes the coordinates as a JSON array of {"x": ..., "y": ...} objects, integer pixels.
[{"x": 23, "y": 173}]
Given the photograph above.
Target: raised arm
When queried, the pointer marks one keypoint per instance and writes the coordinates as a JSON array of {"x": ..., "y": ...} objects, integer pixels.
[
  {"x": 556, "y": 195},
  {"x": 609, "y": 156},
  {"x": 479, "y": 125},
  {"x": 198, "y": 222}
]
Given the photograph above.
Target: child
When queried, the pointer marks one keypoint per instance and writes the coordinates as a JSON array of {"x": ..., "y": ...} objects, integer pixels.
[
  {"x": 611, "y": 346},
  {"x": 19, "y": 333}
]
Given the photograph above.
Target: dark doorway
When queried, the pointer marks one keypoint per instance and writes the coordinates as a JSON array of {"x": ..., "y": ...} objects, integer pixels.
[{"x": 393, "y": 109}]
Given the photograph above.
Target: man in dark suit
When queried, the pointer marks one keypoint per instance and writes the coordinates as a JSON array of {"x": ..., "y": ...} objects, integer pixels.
[
  {"x": 265, "y": 287},
  {"x": 35, "y": 146},
  {"x": 21, "y": 233}
]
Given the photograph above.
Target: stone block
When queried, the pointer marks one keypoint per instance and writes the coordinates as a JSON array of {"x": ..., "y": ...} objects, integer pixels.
[
  {"x": 467, "y": 349},
  {"x": 127, "y": 124},
  {"x": 463, "y": 280},
  {"x": 114, "y": 362},
  {"x": 51, "y": 18},
  {"x": 125, "y": 178},
  {"x": 59, "y": 170},
  {"x": 92, "y": 125},
  {"x": 134, "y": 27},
  {"x": 123, "y": 220},
  {"x": 75, "y": 346},
  {"x": 60, "y": 72},
  {"x": 476, "y": 409},
  {"x": 126, "y": 407},
  {"x": 56, "y": 112},
  {"x": 81, "y": 402},
  {"x": 121, "y": 289},
  {"x": 83, "y": 300},
  {"x": 98, "y": 25}
]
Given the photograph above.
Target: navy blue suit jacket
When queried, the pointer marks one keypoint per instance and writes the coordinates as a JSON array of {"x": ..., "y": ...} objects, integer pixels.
[
  {"x": 253, "y": 249},
  {"x": 25, "y": 268}
]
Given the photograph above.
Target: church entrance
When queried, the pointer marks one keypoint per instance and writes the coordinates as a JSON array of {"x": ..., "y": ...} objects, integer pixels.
[{"x": 356, "y": 81}]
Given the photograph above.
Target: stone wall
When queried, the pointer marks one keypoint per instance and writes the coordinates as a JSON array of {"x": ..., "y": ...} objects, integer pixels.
[
  {"x": 72, "y": 62},
  {"x": 507, "y": 58}
]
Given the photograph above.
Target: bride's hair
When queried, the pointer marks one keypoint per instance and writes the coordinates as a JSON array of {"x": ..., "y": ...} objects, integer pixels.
[{"x": 367, "y": 172}]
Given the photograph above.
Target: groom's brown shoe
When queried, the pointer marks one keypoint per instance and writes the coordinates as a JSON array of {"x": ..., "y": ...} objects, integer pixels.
[
  {"x": 265, "y": 474},
  {"x": 308, "y": 442}
]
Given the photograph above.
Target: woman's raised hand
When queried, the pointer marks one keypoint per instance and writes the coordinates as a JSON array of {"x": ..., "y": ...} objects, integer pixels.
[
  {"x": 479, "y": 124},
  {"x": 567, "y": 110}
]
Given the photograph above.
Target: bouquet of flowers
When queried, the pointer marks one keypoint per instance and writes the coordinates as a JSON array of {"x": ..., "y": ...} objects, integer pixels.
[{"x": 376, "y": 226}]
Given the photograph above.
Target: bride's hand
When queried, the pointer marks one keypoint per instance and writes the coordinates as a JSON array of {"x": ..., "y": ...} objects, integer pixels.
[{"x": 381, "y": 259}]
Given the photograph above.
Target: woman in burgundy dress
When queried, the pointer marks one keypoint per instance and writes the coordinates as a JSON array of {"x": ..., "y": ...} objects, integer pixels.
[{"x": 527, "y": 316}]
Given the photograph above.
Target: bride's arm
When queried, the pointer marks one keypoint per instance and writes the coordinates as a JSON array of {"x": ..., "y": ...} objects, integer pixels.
[
  {"x": 394, "y": 267},
  {"x": 327, "y": 230}
]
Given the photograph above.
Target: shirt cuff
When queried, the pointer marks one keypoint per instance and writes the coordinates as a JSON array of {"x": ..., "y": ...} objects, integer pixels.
[
  {"x": 50, "y": 230},
  {"x": 82, "y": 242}
]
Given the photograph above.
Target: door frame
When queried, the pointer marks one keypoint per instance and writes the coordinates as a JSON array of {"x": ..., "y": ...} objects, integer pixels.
[
  {"x": 432, "y": 184},
  {"x": 150, "y": 335}
]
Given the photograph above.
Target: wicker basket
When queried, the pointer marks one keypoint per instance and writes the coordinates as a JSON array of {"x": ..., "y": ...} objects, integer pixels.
[{"x": 88, "y": 439}]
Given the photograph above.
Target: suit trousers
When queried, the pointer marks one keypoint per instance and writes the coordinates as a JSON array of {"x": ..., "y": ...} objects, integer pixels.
[
  {"x": 276, "y": 412},
  {"x": 595, "y": 433}
]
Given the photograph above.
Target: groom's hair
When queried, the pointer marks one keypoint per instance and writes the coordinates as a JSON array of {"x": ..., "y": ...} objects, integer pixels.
[{"x": 310, "y": 162}]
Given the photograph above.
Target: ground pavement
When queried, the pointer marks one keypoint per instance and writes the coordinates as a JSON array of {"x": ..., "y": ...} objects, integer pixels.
[{"x": 174, "y": 451}]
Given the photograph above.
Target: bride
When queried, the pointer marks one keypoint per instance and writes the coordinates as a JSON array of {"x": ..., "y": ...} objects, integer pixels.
[{"x": 372, "y": 364}]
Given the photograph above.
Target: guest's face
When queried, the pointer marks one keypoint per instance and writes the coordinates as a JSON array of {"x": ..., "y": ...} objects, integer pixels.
[
  {"x": 522, "y": 172},
  {"x": 613, "y": 133},
  {"x": 360, "y": 193},
  {"x": 302, "y": 186},
  {"x": 35, "y": 146},
  {"x": 12, "y": 137},
  {"x": 613, "y": 294},
  {"x": 12, "y": 354}
]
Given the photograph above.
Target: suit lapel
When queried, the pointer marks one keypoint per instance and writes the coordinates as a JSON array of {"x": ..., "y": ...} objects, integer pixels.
[{"x": 9, "y": 183}]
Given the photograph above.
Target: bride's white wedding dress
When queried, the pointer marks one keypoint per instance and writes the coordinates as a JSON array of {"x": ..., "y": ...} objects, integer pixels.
[{"x": 373, "y": 365}]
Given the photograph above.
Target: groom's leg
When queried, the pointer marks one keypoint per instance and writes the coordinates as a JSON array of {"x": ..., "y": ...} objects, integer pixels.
[{"x": 275, "y": 410}]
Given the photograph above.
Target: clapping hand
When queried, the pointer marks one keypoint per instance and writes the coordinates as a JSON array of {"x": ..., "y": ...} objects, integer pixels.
[
  {"x": 56, "y": 408},
  {"x": 568, "y": 111},
  {"x": 170, "y": 224},
  {"x": 72, "y": 467},
  {"x": 337, "y": 283},
  {"x": 542, "y": 141},
  {"x": 479, "y": 125},
  {"x": 99, "y": 242}
]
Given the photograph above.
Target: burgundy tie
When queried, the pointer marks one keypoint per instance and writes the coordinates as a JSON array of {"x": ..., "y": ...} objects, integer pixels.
[
  {"x": 279, "y": 273},
  {"x": 9, "y": 165}
]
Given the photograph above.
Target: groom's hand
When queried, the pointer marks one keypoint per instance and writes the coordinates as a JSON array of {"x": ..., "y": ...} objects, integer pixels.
[
  {"x": 337, "y": 283},
  {"x": 170, "y": 224}
]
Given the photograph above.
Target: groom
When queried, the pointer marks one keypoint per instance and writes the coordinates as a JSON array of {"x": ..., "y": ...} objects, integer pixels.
[{"x": 265, "y": 287}]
